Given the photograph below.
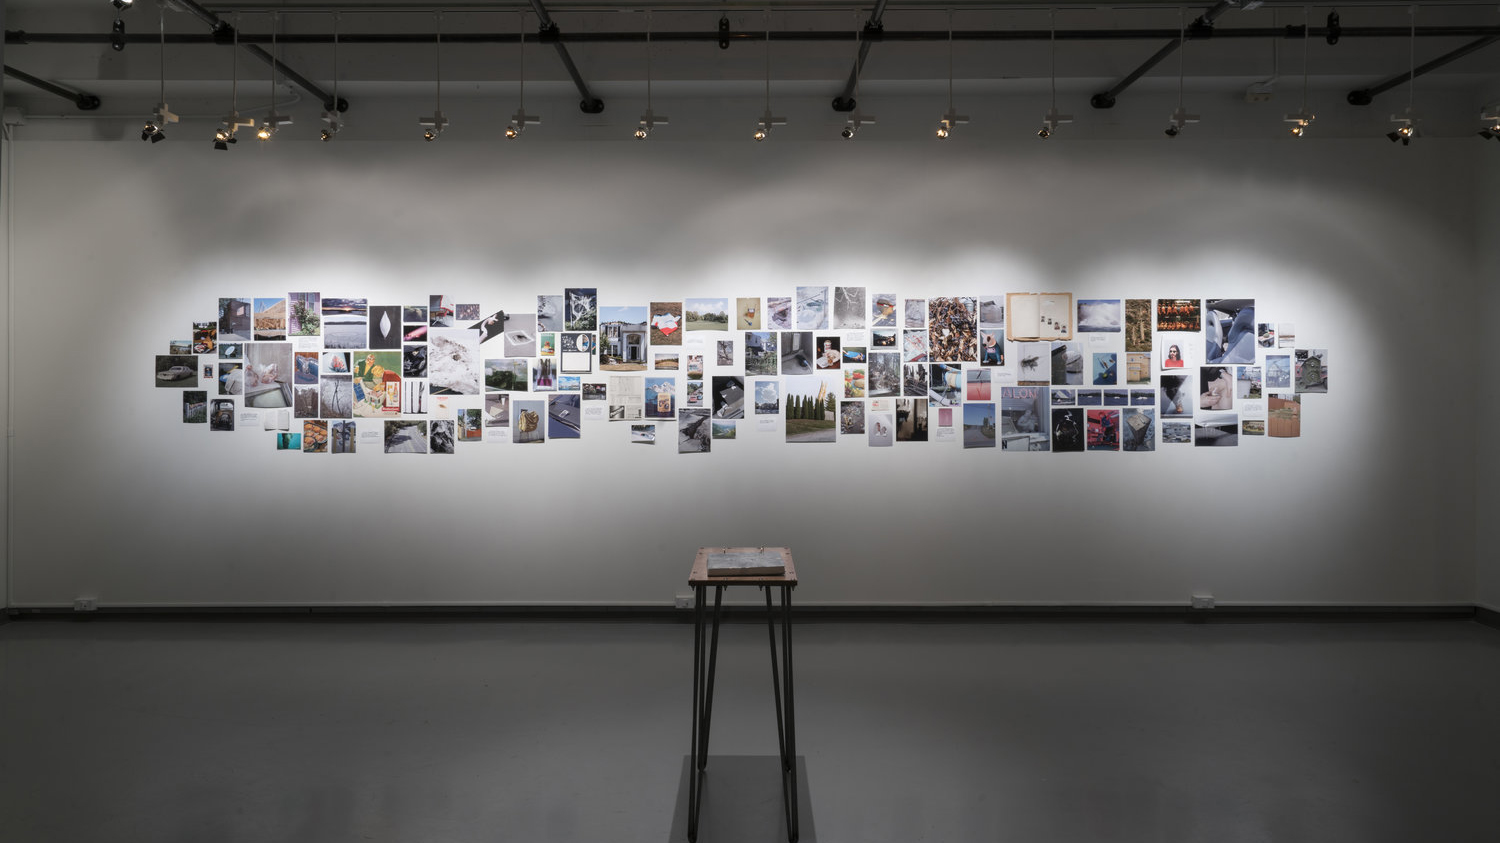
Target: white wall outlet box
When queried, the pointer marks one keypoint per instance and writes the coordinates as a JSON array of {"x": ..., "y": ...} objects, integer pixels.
[
  {"x": 1203, "y": 601},
  {"x": 684, "y": 601},
  {"x": 85, "y": 604}
]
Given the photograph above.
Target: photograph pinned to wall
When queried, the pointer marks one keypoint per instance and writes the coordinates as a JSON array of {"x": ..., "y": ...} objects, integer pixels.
[
  {"x": 883, "y": 375},
  {"x": 1106, "y": 368},
  {"x": 490, "y": 327},
  {"x": 582, "y": 309},
  {"x": 1023, "y": 418},
  {"x": 812, "y": 308},
  {"x": 1064, "y": 397},
  {"x": 1033, "y": 363},
  {"x": 413, "y": 314},
  {"x": 992, "y": 311},
  {"x": 848, "y": 308},
  {"x": 829, "y": 353},
  {"x": 1089, "y": 398},
  {"x": 1067, "y": 429},
  {"x": 1143, "y": 398},
  {"x": 1177, "y": 351},
  {"x": 1099, "y": 315},
  {"x": 880, "y": 424},
  {"x": 1278, "y": 371},
  {"x": 855, "y": 355},
  {"x": 304, "y": 314},
  {"x": 725, "y": 429},
  {"x": 945, "y": 384},
  {"x": 1103, "y": 430},
  {"x": 1247, "y": 382},
  {"x": 666, "y": 322},
  {"x": 180, "y": 347},
  {"x": 546, "y": 345},
  {"x": 883, "y": 310},
  {"x": 344, "y": 322},
  {"x": 1252, "y": 427},
  {"x": 1176, "y": 432},
  {"x": 1179, "y": 315},
  {"x": 405, "y": 437},
  {"x": 668, "y": 361},
  {"x": 1138, "y": 430},
  {"x": 1177, "y": 396},
  {"x": 979, "y": 424},
  {"x": 177, "y": 371},
  {"x": 811, "y": 408},
  {"x": 724, "y": 353},
  {"x": 236, "y": 320},
  {"x": 1286, "y": 335},
  {"x": 1229, "y": 331},
  {"x": 414, "y": 361},
  {"x": 760, "y": 353},
  {"x": 1265, "y": 334},
  {"x": 305, "y": 402},
  {"x": 1067, "y": 363},
  {"x": 747, "y": 314},
  {"x": 914, "y": 380},
  {"x": 334, "y": 363},
  {"x": 466, "y": 312},
  {"x": 373, "y": 372},
  {"x": 767, "y": 397},
  {"x": 695, "y": 366},
  {"x": 911, "y": 420},
  {"x": 1039, "y": 316},
  {"x": 341, "y": 437},
  {"x": 1216, "y": 430},
  {"x": 569, "y": 383},
  {"x": 728, "y": 397},
  {"x": 1137, "y": 367},
  {"x": 953, "y": 329},
  {"x": 441, "y": 436},
  {"x": 544, "y": 376},
  {"x": 1216, "y": 388},
  {"x": 195, "y": 406},
  {"x": 288, "y": 441},
  {"x": 454, "y": 364},
  {"x": 231, "y": 351},
  {"x": 1137, "y": 324},
  {"x": 622, "y": 339},
  {"x": 497, "y": 410},
  {"x": 306, "y": 365},
  {"x": 268, "y": 375},
  {"x": 779, "y": 309},
  {"x": 914, "y": 347},
  {"x": 440, "y": 312},
  {"x": 270, "y": 319},
  {"x": 413, "y": 397},
  {"x": 643, "y": 434},
  {"x": 694, "y": 394},
  {"x": 915, "y": 314},
  {"x": 549, "y": 314},
  {"x": 660, "y": 397},
  {"x": 232, "y": 379},
  {"x": 415, "y": 333},
  {"x": 564, "y": 416},
  {"x": 797, "y": 352},
  {"x": 1284, "y": 412},
  {"x": 505, "y": 374},
  {"x": 854, "y": 382},
  {"x": 577, "y": 355},
  {"x": 315, "y": 437},
  {"x": 1311, "y": 373},
  {"x": 520, "y": 335},
  {"x": 205, "y": 337},
  {"x": 706, "y": 314},
  {"x": 627, "y": 398},
  {"x": 883, "y": 339},
  {"x": 852, "y": 418},
  {"x": 991, "y": 347},
  {"x": 694, "y": 432},
  {"x": 336, "y": 397},
  {"x": 526, "y": 422},
  {"x": 1116, "y": 398},
  {"x": 221, "y": 414}
]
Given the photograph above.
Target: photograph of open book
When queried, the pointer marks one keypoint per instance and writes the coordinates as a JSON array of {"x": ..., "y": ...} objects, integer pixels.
[{"x": 1039, "y": 316}]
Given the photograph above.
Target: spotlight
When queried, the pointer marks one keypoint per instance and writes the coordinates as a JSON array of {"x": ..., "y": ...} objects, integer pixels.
[
  {"x": 641, "y": 133},
  {"x": 325, "y": 136},
  {"x": 511, "y": 132},
  {"x": 117, "y": 35},
  {"x": 760, "y": 134},
  {"x": 855, "y": 122},
  {"x": 1406, "y": 131},
  {"x": 433, "y": 125},
  {"x": 766, "y": 123},
  {"x": 519, "y": 121},
  {"x": 1044, "y": 133},
  {"x": 1300, "y": 121},
  {"x": 649, "y": 121},
  {"x": 151, "y": 132},
  {"x": 265, "y": 132},
  {"x": 1490, "y": 116},
  {"x": 848, "y": 132},
  {"x": 943, "y": 132},
  {"x": 949, "y": 120},
  {"x": 271, "y": 124},
  {"x": 121, "y": 5},
  {"x": 160, "y": 117},
  {"x": 227, "y": 128},
  {"x": 1051, "y": 120},
  {"x": 331, "y": 125},
  {"x": 1172, "y": 131},
  {"x": 1179, "y": 120}
]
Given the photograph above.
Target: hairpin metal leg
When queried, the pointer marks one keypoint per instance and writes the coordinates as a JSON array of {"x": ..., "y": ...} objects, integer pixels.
[
  {"x": 790, "y": 761},
  {"x": 694, "y": 772},
  {"x": 713, "y": 661}
]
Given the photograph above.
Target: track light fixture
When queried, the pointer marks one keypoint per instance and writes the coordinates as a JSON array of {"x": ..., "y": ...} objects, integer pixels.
[
  {"x": 117, "y": 29},
  {"x": 331, "y": 121},
  {"x": 520, "y": 120},
  {"x": 1408, "y": 118},
  {"x": 434, "y": 125},
  {"x": 1302, "y": 118},
  {"x": 274, "y": 120},
  {"x": 1178, "y": 121},
  {"x": 232, "y": 121},
  {"x": 1180, "y": 118},
  {"x": 121, "y": 5},
  {"x": 1052, "y": 119},
  {"x": 1490, "y": 117},
  {"x": 767, "y": 122},
  {"x": 856, "y": 120},
  {"x": 1406, "y": 131},
  {"x": 950, "y": 117},
  {"x": 649, "y": 120},
  {"x": 162, "y": 116}
]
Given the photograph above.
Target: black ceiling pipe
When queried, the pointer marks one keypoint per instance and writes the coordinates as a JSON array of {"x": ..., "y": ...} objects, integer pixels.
[
  {"x": 873, "y": 31},
  {"x": 589, "y": 104},
  {"x": 1202, "y": 27},
  {"x": 223, "y": 33},
  {"x": 85, "y": 102},
  {"x": 1365, "y": 96}
]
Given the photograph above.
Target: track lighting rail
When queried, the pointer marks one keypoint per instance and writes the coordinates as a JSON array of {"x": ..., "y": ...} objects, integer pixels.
[
  {"x": 874, "y": 28},
  {"x": 1203, "y": 27},
  {"x": 549, "y": 33},
  {"x": 1364, "y": 96},
  {"x": 84, "y": 101}
]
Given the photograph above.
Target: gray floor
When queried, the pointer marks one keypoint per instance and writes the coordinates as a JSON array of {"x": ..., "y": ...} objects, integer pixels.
[{"x": 528, "y": 731}]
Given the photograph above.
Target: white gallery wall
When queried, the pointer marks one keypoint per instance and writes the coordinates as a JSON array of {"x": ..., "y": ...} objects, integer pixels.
[
  {"x": 1487, "y": 224},
  {"x": 1368, "y": 248}
]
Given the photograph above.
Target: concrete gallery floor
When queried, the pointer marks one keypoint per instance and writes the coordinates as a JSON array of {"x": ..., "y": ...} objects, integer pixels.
[{"x": 438, "y": 731}]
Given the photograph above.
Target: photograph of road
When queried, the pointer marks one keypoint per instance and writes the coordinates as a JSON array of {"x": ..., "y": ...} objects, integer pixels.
[{"x": 405, "y": 437}]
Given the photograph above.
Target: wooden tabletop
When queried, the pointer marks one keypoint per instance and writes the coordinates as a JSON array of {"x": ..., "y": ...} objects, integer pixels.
[{"x": 700, "y": 576}]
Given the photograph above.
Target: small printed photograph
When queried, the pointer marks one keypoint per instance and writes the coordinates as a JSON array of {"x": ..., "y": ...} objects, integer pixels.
[
  {"x": 666, "y": 323},
  {"x": 767, "y": 398},
  {"x": 977, "y": 385},
  {"x": 725, "y": 429},
  {"x": 852, "y": 417},
  {"x": 441, "y": 437},
  {"x": 1247, "y": 383},
  {"x": 854, "y": 355},
  {"x": 1229, "y": 331},
  {"x": 546, "y": 345},
  {"x": 1138, "y": 430},
  {"x": 526, "y": 422},
  {"x": 661, "y": 397},
  {"x": 849, "y": 309},
  {"x": 1265, "y": 334},
  {"x": 1099, "y": 315},
  {"x": 304, "y": 316},
  {"x": 1286, "y": 334},
  {"x": 694, "y": 397},
  {"x": 470, "y": 425},
  {"x": 1143, "y": 398},
  {"x": 880, "y": 427},
  {"x": 490, "y": 327},
  {"x": 178, "y": 371},
  {"x": 454, "y": 364},
  {"x": 334, "y": 362},
  {"x": 288, "y": 441},
  {"x": 336, "y": 397},
  {"x": 306, "y": 363},
  {"x": 342, "y": 437},
  {"x": 466, "y": 312},
  {"x": 914, "y": 346},
  {"x": 1034, "y": 363},
  {"x": 497, "y": 410},
  {"x": 1177, "y": 396},
  {"x": 724, "y": 353},
  {"x": 1252, "y": 427},
  {"x": 564, "y": 416},
  {"x": 914, "y": 380},
  {"x": 1106, "y": 368},
  {"x": 854, "y": 383},
  {"x": 1090, "y": 398},
  {"x": 549, "y": 314},
  {"x": 1175, "y": 351},
  {"x": 1220, "y": 430},
  {"x": 414, "y": 314},
  {"x": 315, "y": 437},
  {"x": 883, "y": 310},
  {"x": 643, "y": 434},
  {"x": 268, "y": 375},
  {"x": 779, "y": 308},
  {"x": 979, "y": 424},
  {"x": 504, "y": 374},
  {"x": 1312, "y": 369},
  {"x": 622, "y": 339},
  {"x": 953, "y": 329},
  {"x": 915, "y": 314},
  {"x": 829, "y": 354},
  {"x": 706, "y": 314},
  {"x": 569, "y": 383},
  {"x": 945, "y": 384},
  {"x": 405, "y": 437},
  {"x": 1137, "y": 367},
  {"x": 695, "y": 366},
  {"x": 231, "y": 351},
  {"x": 1117, "y": 398},
  {"x": 667, "y": 361},
  {"x": 760, "y": 353},
  {"x": 577, "y": 356},
  {"x": 811, "y": 405},
  {"x": 270, "y": 319},
  {"x": 415, "y": 333},
  {"x": 992, "y": 311},
  {"x": 797, "y": 354},
  {"x": 344, "y": 323},
  {"x": 1278, "y": 371},
  {"x": 235, "y": 320},
  {"x": 748, "y": 311},
  {"x": 1179, "y": 315},
  {"x": 1176, "y": 433},
  {"x": 221, "y": 414},
  {"x": 440, "y": 312},
  {"x": 1064, "y": 397},
  {"x": 414, "y": 361},
  {"x": 1103, "y": 430},
  {"x": 911, "y": 420},
  {"x": 1067, "y": 363},
  {"x": 1067, "y": 429},
  {"x": 1217, "y": 388},
  {"x": 180, "y": 347},
  {"x": 1285, "y": 416},
  {"x": 883, "y": 339},
  {"x": 377, "y": 384},
  {"x": 992, "y": 347},
  {"x": 812, "y": 308},
  {"x": 195, "y": 406},
  {"x": 883, "y": 376},
  {"x": 205, "y": 337},
  {"x": 582, "y": 312},
  {"x": 544, "y": 376},
  {"x": 729, "y": 397},
  {"x": 232, "y": 379},
  {"x": 694, "y": 432},
  {"x": 1137, "y": 325},
  {"x": 520, "y": 335},
  {"x": 413, "y": 398}
]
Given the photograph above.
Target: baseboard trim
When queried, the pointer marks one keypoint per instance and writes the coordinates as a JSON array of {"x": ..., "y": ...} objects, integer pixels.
[{"x": 1487, "y": 616}]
